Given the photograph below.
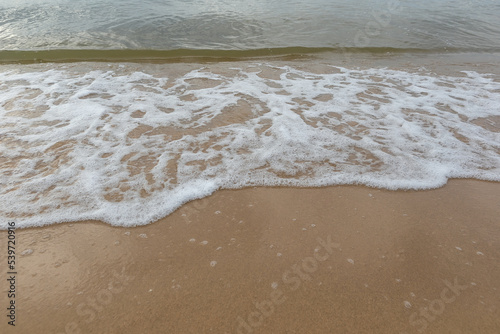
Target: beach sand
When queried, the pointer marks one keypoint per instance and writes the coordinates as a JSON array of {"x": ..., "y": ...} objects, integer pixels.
[{"x": 345, "y": 259}]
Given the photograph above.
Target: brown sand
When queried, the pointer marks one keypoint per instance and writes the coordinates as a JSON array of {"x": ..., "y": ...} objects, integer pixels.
[{"x": 400, "y": 262}]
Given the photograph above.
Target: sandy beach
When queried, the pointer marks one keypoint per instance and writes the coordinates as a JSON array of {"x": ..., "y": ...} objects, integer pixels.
[
  {"x": 347, "y": 259},
  {"x": 251, "y": 167}
]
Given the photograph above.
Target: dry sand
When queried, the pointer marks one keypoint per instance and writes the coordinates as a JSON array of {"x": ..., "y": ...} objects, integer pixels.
[{"x": 346, "y": 259}]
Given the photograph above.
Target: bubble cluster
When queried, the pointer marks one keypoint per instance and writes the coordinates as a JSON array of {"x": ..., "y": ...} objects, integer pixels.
[{"x": 129, "y": 148}]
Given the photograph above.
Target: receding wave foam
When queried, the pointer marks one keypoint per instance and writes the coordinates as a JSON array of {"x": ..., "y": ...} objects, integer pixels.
[{"x": 130, "y": 147}]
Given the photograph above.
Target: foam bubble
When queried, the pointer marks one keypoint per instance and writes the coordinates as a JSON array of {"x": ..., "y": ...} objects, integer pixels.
[{"x": 130, "y": 147}]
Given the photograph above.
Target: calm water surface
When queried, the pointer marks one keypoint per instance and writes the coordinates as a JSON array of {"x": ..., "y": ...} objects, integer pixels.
[{"x": 245, "y": 25}]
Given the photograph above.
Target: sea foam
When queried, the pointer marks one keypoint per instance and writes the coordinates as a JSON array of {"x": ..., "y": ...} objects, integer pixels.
[{"x": 129, "y": 148}]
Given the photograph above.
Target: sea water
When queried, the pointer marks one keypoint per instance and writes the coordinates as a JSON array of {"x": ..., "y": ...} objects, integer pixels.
[{"x": 128, "y": 142}]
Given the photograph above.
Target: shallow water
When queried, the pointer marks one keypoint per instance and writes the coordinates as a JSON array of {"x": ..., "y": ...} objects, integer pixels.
[
  {"x": 127, "y": 142},
  {"x": 130, "y": 143},
  {"x": 245, "y": 25}
]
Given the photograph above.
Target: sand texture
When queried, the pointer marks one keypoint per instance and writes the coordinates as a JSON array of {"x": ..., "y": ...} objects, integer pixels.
[{"x": 346, "y": 259}]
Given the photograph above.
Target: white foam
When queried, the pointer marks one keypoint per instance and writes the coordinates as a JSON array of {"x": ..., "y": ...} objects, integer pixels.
[{"x": 129, "y": 148}]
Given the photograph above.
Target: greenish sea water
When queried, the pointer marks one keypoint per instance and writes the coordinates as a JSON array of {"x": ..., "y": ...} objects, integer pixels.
[{"x": 198, "y": 27}]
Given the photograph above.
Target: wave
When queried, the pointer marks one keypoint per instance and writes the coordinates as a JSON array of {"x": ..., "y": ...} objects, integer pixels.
[
  {"x": 197, "y": 55},
  {"x": 128, "y": 143}
]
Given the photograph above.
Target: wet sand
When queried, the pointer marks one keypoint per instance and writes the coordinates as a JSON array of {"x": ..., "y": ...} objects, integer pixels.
[{"x": 345, "y": 259}]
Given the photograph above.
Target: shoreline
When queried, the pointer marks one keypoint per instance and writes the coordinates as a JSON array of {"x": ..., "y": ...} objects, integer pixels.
[
  {"x": 298, "y": 53},
  {"x": 440, "y": 62},
  {"x": 127, "y": 128},
  {"x": 346, "y": 259}
]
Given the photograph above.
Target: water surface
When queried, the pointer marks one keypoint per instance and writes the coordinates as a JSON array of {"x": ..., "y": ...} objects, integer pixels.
[{"x": 246, "y": 25}]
